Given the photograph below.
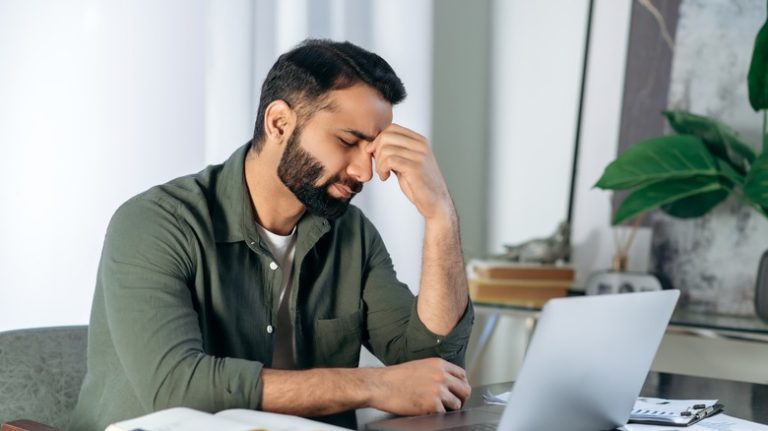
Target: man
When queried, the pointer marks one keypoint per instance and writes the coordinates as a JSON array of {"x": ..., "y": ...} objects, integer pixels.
[{"x": 253, "y": 284}]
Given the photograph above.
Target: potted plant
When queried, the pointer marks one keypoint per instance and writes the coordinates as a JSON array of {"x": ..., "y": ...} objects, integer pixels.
[{"x": 687, "y": 174}]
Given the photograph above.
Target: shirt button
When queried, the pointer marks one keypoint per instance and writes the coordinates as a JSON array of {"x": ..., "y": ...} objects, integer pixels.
[
  {"x": 253, "y": 242},
  {"x": 269, "y": 329},
  {"x": 272, "y": 266}
]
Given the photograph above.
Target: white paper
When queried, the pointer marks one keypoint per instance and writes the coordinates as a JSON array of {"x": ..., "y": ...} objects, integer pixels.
[
  {"x": 500, "y": 399},
  {"x": 184, "y": 419},
  {"x": 720, "y": 422}
]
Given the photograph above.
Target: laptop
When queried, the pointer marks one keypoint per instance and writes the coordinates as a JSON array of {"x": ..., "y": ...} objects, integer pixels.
[{"x": 584, "y": 368}]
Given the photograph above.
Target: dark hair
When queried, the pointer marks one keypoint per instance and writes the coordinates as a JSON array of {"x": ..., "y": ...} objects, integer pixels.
[{"x": 302, "y": 76}]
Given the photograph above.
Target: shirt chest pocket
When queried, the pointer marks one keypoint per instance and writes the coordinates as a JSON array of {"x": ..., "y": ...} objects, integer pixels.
[{"x": 337, "y": 341}]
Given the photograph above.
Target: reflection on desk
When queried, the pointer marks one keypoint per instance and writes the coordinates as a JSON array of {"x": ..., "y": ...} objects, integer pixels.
[
  {"x": 735, "y": 327},
  {"x": 751, "y": 332},
  {"x": 743, "y": 400},
  {"x": 748, "y": 327}
]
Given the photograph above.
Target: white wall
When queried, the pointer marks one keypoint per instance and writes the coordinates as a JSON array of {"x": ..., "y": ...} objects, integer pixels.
[
  {"x": 535, "y": 85},
  {"x": 409, "y": 51},
  {"x": 591, "y": 236},
  {"x": 538, "y": 49},
  {"x": 100, "y": 100},
  {"x": 229, "y": 76}
]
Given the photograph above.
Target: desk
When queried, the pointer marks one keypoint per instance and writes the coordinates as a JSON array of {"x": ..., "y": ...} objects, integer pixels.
[
  {"x": 750, "y": 329},
  {"x": 743, "y": 400}
]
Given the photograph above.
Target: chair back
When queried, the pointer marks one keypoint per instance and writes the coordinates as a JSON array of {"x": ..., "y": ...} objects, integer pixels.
[{"x": 41, "y": 371}]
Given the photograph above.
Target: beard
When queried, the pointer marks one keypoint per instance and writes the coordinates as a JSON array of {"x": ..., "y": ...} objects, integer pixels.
[{"x": 300, "y": 172}]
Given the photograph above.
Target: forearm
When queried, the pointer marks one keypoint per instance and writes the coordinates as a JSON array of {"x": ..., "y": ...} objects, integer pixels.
[
  {"x": 316, "y": 392},
  {"x": 443, "y": 293},
  {"x": 413, "y": 388}
]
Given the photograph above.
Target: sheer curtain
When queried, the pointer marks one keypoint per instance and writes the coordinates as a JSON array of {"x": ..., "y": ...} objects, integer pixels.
[
  {"x": 244, "y": 38},
  {"x": 102, "y": 99},
  {"x": 99, "y": 100}
]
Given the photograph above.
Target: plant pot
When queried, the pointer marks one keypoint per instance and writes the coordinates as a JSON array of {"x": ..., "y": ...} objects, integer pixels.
[{"x": 761, "y": 288}]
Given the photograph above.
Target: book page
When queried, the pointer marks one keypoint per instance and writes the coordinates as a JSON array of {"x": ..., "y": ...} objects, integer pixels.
[
  {"x": 181, "y": 419},
  {"x": 276, "y": 421}
]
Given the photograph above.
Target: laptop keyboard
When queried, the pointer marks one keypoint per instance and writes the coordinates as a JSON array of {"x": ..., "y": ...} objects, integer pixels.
[{"x": 475, "y": 427}]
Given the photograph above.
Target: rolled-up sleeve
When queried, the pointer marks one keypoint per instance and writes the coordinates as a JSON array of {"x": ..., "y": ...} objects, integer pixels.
[
  {"x": 395, "y": 332},
  {"x": 145, "y": 273},
  {"x": 451, "y": 347}
]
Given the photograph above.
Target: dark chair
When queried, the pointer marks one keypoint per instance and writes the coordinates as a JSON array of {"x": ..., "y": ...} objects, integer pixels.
[{"x": 41, "y": 371}]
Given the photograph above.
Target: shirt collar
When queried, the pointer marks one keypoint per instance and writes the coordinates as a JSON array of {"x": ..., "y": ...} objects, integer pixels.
[{"x": 232, "y": 212}]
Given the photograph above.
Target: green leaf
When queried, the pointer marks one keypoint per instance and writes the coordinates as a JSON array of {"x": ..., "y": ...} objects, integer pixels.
[
  {"x": 696, "y": 205},
  {"x": 665, "y": 193},
  {"x": 756, "y": 183},
  {"x": 658, "y": 159},
  {"x": 700, "y": 204},
  {"x": 757, "y": 78},
  {"x": 721, "y": 140},
  {"x": 727, "y": 171}
]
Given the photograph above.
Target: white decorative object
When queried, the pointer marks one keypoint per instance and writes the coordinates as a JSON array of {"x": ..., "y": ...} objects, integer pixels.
[
  {"x": 632, "y": 250},
  {"x": 621, "y": 282}
]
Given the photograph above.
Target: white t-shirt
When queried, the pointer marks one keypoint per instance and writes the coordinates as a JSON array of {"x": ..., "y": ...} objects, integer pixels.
[{"x": 283, "y": 249}]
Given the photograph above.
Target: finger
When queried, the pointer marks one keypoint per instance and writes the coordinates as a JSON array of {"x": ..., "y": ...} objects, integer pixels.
[
  {"x": 394, "y": 127},
  {"x": 397, "y": 159},
  {"x": 372, "y": 146},
  {"x": 458, "y": 387},
  {"x": 455, "y": 370},
  {"x": 441, "y": 406},
  {"x": 396, "y": 164},
  {"x": 399, "y": 140},
  {"x": 406, "y": 153},
  {"x": 450, "y": 400}
]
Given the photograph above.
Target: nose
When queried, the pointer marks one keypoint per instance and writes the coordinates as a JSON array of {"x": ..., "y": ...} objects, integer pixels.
[{"x": 360, "y": 167}]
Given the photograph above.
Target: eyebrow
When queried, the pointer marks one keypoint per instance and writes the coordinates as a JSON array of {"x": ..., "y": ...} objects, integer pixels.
[{"x": 360, "y": 135}]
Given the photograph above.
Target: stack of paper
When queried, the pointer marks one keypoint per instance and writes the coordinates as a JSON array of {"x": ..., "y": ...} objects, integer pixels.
[{"x": 719, "y": 422}]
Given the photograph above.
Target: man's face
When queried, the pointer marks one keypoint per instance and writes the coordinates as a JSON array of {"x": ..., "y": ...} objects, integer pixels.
[{"x": 324, "y": 162}]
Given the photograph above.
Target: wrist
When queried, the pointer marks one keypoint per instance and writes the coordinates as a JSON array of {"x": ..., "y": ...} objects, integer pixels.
[
  {"x": 370, "y": 382},
  {"x": 445, "y": 217}
]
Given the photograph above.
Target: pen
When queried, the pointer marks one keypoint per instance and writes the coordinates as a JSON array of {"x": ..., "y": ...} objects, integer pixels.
[{"x": 701, "y": 414}]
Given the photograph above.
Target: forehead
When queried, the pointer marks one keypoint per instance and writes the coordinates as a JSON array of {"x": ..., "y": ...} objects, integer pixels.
[{"x": 359, "y": 108}]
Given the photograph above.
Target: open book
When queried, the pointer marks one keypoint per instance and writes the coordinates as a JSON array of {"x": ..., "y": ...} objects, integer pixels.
[{"x": 185, "y": 419}]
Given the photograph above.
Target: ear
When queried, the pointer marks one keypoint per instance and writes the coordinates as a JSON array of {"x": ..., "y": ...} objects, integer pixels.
[{"x": 279, "y": 121}]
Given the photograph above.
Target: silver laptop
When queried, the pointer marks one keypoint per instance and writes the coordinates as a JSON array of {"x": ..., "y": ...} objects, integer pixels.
[{"x": 584, "y": 368}]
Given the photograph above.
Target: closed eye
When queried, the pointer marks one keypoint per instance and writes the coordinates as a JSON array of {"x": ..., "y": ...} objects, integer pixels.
[{"x": 346, "y": 143}]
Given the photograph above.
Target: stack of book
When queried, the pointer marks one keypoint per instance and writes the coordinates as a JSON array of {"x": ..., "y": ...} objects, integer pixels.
[{"x": 523, "y": 284}]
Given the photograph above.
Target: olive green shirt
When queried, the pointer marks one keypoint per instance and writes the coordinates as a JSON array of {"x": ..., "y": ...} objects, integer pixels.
[{"x": 186, "y": 296}]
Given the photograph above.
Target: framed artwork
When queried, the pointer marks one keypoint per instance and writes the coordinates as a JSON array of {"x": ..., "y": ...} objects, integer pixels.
[{"x": 693, "y": 55}]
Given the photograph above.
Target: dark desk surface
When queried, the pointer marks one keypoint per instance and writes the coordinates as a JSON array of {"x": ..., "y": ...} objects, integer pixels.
[{"x": 743, "y": 400}]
